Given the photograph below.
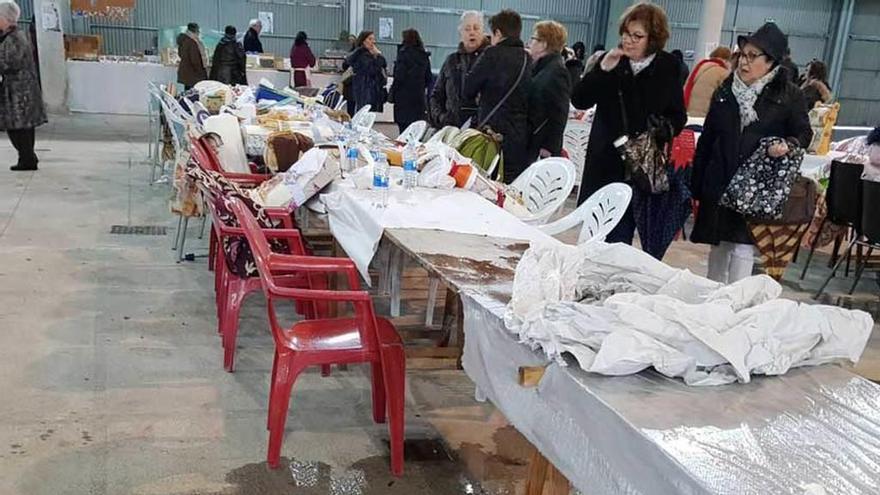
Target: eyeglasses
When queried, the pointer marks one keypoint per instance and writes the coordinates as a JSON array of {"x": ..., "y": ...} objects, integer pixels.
[
  {"x": 751, "y": 56},
  {"x": 535, "y": 38},
  {"x": 635, "y": 37}
]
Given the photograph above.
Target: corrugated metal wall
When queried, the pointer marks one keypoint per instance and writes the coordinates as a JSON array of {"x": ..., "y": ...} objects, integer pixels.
[
  {"x": 27, "y": 11},
  {"x": 437, "y": 20},
  {"x": 322, "y": 23},
  {"x": 859, "y": 91},
  {"x": 807, "y": 22}
]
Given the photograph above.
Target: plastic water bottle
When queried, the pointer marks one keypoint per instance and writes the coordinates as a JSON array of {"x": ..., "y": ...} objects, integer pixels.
[
  {"x": 351, "y": 159},
  {"x": 380, "y": 179},
  {"x": 410, "y": 172}
]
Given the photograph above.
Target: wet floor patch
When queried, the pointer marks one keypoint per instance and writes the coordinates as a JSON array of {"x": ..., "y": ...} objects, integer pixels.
[{"x": 429, "y": 470}]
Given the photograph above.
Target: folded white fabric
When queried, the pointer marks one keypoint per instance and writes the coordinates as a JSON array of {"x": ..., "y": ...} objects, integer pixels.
[{"x": 618, "y": 311}]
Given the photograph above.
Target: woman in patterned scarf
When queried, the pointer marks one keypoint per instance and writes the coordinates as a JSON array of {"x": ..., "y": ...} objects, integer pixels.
[{"x": 757, "y": 101}]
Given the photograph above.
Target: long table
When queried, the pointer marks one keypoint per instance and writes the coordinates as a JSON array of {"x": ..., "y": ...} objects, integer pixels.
[
  {"x": 647, "y": 434},
  {"x": 816, "y": 427}
]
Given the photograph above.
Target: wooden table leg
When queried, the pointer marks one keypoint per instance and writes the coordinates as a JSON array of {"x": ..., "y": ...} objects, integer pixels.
[{"x": 542, "y": 472}]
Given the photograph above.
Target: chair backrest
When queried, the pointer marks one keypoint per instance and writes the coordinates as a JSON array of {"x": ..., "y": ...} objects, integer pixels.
[
  {"x": 870, "y": 225},
  {"x": 363, "y": 118},
  {"x": 365, "y": 316},
  {"x": 413, "y": 132},
  {"x": 599, "y": 214},
  {"x": 204, "y": 155},
  {"x": 176, "y": 125},
  {"x": 844, "y": 195},
  {"x": 545, "y": 186}
]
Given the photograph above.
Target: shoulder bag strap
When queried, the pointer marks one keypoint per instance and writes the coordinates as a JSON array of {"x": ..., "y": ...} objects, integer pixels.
[
  {"x": 623, "y": 111},
  {"x": 509, "y": 92}
]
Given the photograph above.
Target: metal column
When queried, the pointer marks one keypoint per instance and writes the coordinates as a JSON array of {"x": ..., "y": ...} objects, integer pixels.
[{"x": 712, "y": 20}]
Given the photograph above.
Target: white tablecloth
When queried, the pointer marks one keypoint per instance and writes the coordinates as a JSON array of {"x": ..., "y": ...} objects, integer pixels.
[
  {"x": 815, "y": 427},
  {"x": 357, "y": 223}
]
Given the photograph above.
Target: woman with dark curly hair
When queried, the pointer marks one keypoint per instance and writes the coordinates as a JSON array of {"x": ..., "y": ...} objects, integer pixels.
[{"x": 642, "y": 80}]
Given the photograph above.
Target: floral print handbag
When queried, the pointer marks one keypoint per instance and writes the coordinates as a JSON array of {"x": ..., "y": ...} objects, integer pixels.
[{"x": 762, "y": 185}]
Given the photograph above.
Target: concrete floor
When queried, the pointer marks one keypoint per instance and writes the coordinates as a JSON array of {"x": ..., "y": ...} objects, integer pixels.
[{"x": 111, "y": 369}]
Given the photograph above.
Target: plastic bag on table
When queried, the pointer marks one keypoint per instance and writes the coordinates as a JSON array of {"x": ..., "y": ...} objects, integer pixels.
[{"x": 296, "y": 186}]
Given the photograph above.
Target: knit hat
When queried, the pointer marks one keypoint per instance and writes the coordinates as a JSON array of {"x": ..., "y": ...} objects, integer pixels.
[{"x": 770, "y": 39}]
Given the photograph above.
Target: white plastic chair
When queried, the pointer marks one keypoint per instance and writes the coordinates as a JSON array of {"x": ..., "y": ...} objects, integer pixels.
[
  {"x": 154, "y": 111},
  {"x": 413, "y": 132},
  {"x": 445, "y": 134},
  {"x": 599, "y": 214},
  {"x": 363, "y": 118},
  {"x": 545, "y": 186},
  {"x": 575, "y": 140}
]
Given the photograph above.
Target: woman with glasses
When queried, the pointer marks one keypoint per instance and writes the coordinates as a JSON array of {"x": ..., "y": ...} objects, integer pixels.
[
  {"x": 549, "y": 92},
  {"x": 637, "y": 78},
  {"x": 755, "y": 102}
]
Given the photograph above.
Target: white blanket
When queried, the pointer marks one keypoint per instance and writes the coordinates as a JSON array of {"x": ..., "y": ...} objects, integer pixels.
[{"x": 619, "y": 311}]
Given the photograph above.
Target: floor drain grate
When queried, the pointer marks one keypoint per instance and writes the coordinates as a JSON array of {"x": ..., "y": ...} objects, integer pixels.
[{"x": 138, "y": 230}]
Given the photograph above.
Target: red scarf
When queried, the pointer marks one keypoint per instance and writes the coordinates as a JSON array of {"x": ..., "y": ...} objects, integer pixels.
[{"x": 689, "y": 86}]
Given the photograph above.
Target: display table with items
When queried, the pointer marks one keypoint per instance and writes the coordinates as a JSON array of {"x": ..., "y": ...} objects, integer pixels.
[{"x": 116, "y": 87}]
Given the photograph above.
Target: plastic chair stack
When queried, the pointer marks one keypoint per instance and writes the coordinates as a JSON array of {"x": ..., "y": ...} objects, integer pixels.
[{"x": 362, "y": 338}]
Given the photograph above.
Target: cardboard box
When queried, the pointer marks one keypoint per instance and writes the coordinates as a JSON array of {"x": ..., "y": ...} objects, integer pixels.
[{"x": 82, "y": 47}]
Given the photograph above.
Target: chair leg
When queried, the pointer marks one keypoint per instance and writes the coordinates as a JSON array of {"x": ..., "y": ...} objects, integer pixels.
[
  {"x": 204, "y": 222},
  {"x": 180, "y": 248},
  {"x": 177, "y": 232},
  {"x": 396, "y": 274},
  {"x": 394, "y": 371},
  {"x": 230, "y": 324},
  {"x": 433, "y": 286},
  {"x": 272, "y": 388},
  {"x": 833, "y": 272},
  {"x": 212, "y": 249},
  {"x": 325, "y": 370},
  {"x": 813, "y": 248},
  {"x": 379, "y": 395},
  {"x": 283, "y": 384},
  {"x": 863, "y": 262}
]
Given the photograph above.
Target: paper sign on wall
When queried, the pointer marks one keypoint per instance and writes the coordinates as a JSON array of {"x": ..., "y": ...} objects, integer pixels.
[
  {"x": 386, "y": 28},
  {"x": 267, "y": 19},
  {"x": 51, "y": 17}
]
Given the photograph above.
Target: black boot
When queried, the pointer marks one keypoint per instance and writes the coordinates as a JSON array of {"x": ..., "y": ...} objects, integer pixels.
[{"x": 28, "y": 166}]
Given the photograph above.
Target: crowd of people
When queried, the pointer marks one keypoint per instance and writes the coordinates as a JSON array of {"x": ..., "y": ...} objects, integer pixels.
[{"x": 521, "y": 91}]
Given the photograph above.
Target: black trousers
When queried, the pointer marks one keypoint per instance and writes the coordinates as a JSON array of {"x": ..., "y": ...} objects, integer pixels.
[{"x": 23, "y": 142}]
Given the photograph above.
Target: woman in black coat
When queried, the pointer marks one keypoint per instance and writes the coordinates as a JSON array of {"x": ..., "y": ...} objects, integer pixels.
[
  {"x": 412, "y": 75},
  {"x": 370, "y": 78},
  {"x": 550, "y": 91},
  {"x": 640, "y": 77},
  {"x": 755, "y": 102},
  {"x": 447, "y": 105},
  {"x": 229, "y": 62}
]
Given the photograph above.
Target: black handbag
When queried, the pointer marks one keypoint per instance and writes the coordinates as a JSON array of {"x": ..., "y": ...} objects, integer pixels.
[
  {"x": 645, "y": 160},
  {"x": 761, "y": 187}
]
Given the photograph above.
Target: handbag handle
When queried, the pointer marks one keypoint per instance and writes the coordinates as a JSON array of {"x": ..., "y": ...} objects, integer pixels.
[{"x": 509, "y": 92}]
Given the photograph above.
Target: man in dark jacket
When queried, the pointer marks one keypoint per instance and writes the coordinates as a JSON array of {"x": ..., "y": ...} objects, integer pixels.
[
  {"x": 228, "y": 64},
  {"x": 500, "y": 79},
  {"x": 549, "y": 92},
  {"x": 192, "y": 68},
  {"x": 252, "y": 43},
  {"x": 447, "y": 106}
]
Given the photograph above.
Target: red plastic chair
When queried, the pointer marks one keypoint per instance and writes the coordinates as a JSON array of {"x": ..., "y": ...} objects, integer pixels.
[{"x": 359, "y": 339}]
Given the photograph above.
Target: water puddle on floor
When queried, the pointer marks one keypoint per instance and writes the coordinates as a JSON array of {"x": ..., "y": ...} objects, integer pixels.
[{"x": 429, "y": 470}]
